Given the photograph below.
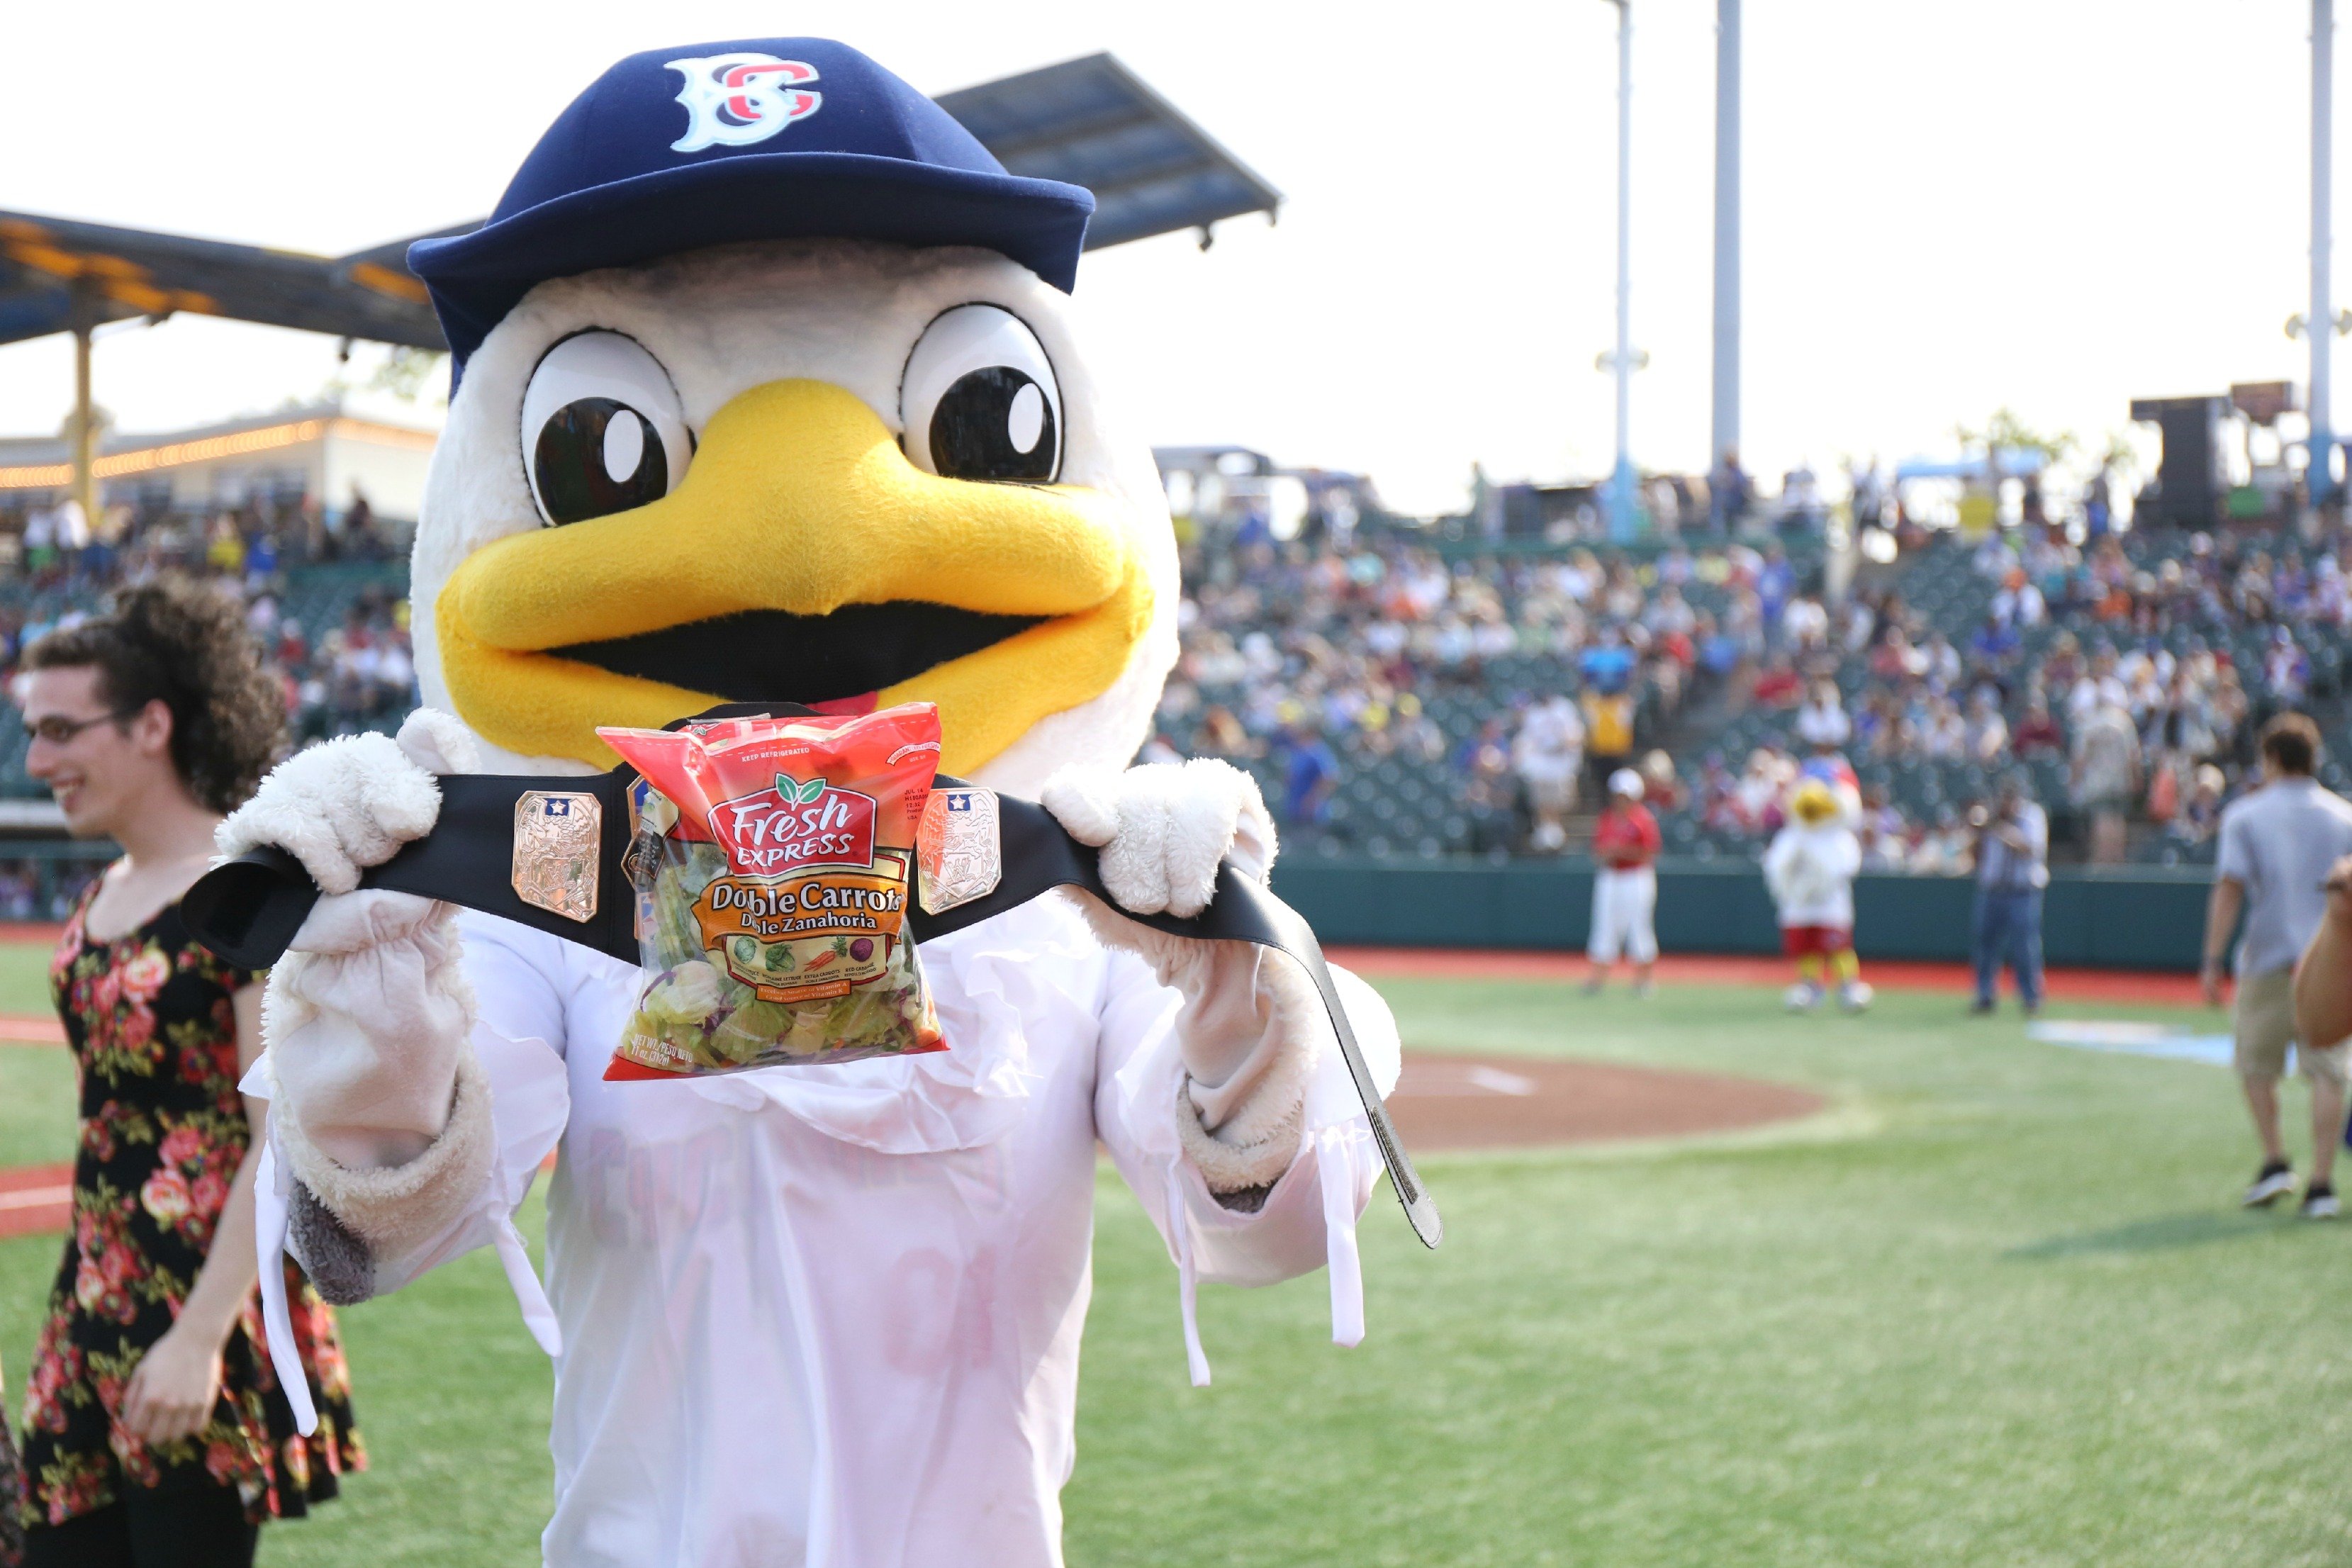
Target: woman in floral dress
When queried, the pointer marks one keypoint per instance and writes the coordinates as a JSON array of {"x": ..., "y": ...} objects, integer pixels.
[{"x": 155, "y": 1432}]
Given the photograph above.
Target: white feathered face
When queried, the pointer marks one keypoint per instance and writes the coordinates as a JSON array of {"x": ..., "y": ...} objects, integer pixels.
[{"x": 830, "y": 472}]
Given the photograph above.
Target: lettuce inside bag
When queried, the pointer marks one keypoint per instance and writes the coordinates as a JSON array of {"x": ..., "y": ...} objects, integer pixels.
[{"x": 773, "y": 860}]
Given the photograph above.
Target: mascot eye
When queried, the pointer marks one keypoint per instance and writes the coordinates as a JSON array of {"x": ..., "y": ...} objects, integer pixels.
[
  {"x": 978, "y": 400},
  {"x": 602, "y": 429}
]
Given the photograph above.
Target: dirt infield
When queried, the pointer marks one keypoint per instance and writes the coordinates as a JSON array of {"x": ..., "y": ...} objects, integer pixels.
[
  {"x": 34, "y": 1198},
  {"x": 2158, "y": 988},
  {"x": 1441, "y": 1101},
  {"x": 1448, "y": 1101}
]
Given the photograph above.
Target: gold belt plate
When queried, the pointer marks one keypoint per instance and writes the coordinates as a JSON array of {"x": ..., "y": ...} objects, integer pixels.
[{"x": 556, "y": 838}]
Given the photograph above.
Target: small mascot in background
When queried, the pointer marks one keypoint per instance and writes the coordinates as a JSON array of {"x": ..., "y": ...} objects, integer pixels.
[{"x": 1810, "y": 869}]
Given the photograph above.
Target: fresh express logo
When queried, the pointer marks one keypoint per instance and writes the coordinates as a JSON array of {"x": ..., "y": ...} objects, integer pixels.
[{"x": 793, "y": 825}]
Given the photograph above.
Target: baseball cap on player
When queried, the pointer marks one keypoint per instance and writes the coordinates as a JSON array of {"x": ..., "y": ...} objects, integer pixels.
[
  {"x": 1627, "y": 783},
  {"x": 676, "y": 150}
]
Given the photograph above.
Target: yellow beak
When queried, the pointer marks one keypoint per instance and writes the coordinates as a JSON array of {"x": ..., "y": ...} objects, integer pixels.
[{"x": 1002, "y": 603}]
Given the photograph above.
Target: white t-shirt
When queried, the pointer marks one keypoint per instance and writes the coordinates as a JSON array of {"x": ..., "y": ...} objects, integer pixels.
[{"x": 2278, "y": 842}]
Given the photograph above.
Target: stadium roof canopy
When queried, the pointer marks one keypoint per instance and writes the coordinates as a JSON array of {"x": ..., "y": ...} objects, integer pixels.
[
  {"x": 1093, "y": 123},
  {"x": 56, "y": 274},
  {"x": 1090, "y": 121}
]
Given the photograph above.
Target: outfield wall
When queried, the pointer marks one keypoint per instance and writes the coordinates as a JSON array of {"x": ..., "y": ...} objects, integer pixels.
[{"x": 2138, "y": 917}]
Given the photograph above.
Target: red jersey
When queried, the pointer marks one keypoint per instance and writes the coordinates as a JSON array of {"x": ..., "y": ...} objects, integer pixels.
[{"x": 1626, "y": 837}]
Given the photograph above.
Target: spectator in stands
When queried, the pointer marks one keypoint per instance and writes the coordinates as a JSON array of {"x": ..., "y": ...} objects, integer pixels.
[
  {"x": 2286, "y": 668},
  {"x": 1823, "y": 720},
  {"x": 1884, "y": 836},
  {"x": 2107, "y": 775},
  {"x": 2272, "y": 841},
  {"x": 2012, "y": 853},
  {"x": 1490, "y": 790},
  {"x": 1943, "y": 735},
  {"x": 1625, "y": 843},
  {"x": 154, "y": 1433},
  {"x": 1805, "y": 626},
  {"x": 2199, "y": 816},
  {"x": 1984, "y": 734},
  {"x": 1548, "y": 752},
  {"x": 1778, "y": 684},
  {"x": 1608, "y": 734},
  {"x": 1995, "y": 643},
  {"x": 2098, "y": 683},
  {"x": 1730, "y": 494},
  {"x": 1310, "y": 774},
  {"x": 2017, "y": 604},
  {"x": 1661, "y": 787},
  {"x": 1948, "y": 849},
  {"x": 1754, "y": 807}
]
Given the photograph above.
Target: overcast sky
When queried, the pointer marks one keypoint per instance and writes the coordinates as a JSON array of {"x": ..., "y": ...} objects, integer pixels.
[{"x": 2058, "y": 204}]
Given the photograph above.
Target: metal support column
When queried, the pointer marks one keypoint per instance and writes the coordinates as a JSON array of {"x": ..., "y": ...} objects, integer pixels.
[
  {"x": 2320, "y": 479},
  {"x": 1726, "y": 423},
  {"x": 85, "y": 434},
  {"x": 1621, "y": 479}
]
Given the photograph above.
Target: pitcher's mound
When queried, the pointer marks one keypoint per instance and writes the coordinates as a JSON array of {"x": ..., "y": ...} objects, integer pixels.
[{"x": 1448, "y": 1101}]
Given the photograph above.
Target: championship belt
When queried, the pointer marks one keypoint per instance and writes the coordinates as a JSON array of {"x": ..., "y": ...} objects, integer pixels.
[{"x": 551, "y": 853}]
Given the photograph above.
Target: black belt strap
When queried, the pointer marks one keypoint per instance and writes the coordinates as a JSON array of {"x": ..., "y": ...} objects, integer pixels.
[{"x": 249, "y": 909}]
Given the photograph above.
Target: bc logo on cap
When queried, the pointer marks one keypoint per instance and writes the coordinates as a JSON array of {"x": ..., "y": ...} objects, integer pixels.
[{"x": 733, "y": 101}]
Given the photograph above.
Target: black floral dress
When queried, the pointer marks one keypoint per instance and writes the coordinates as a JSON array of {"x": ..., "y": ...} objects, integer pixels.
[{"x": 164, "y": 1130}]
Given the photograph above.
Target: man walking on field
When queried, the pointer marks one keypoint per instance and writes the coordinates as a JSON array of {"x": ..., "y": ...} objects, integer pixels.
[
  {"x": 1624, "y": 886},
  {"x": 2276, "y": 843}
]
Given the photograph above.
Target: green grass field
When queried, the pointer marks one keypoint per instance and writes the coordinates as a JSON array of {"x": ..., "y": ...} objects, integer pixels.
[{"x": 1995, "y": 1307}]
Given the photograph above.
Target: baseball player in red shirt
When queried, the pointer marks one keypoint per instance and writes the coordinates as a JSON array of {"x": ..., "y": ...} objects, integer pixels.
[{"x": 1625, "y": 887}]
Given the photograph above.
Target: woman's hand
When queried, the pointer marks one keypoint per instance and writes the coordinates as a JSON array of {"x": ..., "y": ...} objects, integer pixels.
[{"x": 172, "y": 1390}]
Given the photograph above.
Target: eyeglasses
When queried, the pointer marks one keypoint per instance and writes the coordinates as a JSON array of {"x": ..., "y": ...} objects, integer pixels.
[{"x": 56, "y": 728}]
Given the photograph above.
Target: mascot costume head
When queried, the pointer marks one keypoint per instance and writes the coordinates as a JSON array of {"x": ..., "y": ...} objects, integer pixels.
[{"x": 787, "y": 407}]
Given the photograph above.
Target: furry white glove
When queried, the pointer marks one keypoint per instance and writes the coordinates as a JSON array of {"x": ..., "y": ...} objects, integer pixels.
[
  {"x": 1163, "y": 827},
  {"x": 381, "y": 1109},
  {"x": 1251, "y": 1020}
]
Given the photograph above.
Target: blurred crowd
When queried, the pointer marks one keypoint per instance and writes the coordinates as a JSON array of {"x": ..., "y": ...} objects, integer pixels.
[
  {"x": 54, "y": 548},
  {"x": 1312, "y": 658},
  {"x": 353, "y": 673},
  {"x": 2144, "y": 684},
  {"x": 43, "y": 890}
]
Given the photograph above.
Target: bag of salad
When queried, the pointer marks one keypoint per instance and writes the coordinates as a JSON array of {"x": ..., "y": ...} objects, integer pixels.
[{"x": 774, "y": 859}]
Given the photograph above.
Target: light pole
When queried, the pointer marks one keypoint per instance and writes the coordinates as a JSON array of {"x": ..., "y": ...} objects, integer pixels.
[
  {"x": 2319, "y": 476},
  {"x": 1726, "y": 423},
  {"x": 1621, "y": 477}
]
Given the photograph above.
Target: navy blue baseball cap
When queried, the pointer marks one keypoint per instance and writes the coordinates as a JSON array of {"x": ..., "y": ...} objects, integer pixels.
[{"x": 705, "y": 144}]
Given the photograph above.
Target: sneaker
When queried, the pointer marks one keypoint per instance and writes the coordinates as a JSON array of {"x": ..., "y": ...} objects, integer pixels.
[
  {"x": 1801, "y": 997},
  {"x": 1854, "y": 996},
  {"x": 2319, "y": 1203},
  {"x": 1592, "y": 986},
  {"x": 1643, "y": 991},
  {"x": 1981, "y": 1006},
  {"x": 2271, "y": 1183}
]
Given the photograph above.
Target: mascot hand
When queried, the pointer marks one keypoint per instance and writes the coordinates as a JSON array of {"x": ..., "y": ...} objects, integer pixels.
[
  {"x": 377, "y": 1101},
  {"x": 1251, "y": 1020},
  {"x": 351, "y": 802},
  {"x": 1162, "y": 828}
]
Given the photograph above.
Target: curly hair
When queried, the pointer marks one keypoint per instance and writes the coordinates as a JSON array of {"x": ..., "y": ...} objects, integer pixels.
[{"x": 185, "y": 644}]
